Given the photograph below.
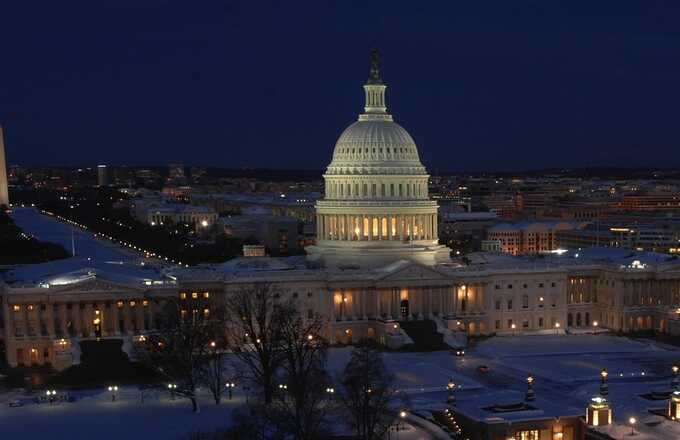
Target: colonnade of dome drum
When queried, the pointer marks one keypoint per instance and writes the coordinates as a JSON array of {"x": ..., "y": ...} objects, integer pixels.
[{"x": 399, "y": 227}]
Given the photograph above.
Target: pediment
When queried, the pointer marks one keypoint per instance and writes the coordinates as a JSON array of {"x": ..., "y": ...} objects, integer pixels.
[
  {"x": 412, "y": 271},
  {"x": 96, "y": 285}
]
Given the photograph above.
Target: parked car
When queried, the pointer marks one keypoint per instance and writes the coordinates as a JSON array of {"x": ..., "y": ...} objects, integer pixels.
[
  {"x": 483, "y": 369},
  {"x": 15, "y": 403}
]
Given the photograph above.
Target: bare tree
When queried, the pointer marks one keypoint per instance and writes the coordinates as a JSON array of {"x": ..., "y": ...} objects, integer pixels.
[
  {"x": 216, "y": 372},
  {"x": 180, "y": 347},
  {"x": 304, "y": 353},
  {"x": 253, "y": 334},
  {"x": 367, "y": 393}
]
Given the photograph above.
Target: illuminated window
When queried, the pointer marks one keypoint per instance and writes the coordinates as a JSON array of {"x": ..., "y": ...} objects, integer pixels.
[
  {"x": 119, "y": 304},
  {"x": 194, "y": 295},
  {"x": 206, "y": 312},
  {"x": 183, "y": 295},
  {"x": 206, "y": 295},
  {"x": 16, "y": 307},
  {"x": 30, "y": 307},
  {"x": 133, "y": 303},
  {"x": 528, "y": 435},
  {"x": 145, "y": 302}
]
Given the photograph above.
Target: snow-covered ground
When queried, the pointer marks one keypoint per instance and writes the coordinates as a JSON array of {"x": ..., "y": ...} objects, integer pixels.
[
  {"x": 93, "y": 415},
  {"x": 577, "y": 358},
  {"x": 46, "y": 228},
  {"x": 566, "y": 369}
]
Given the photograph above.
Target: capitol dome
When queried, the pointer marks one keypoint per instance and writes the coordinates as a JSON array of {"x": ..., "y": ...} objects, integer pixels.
[
  {"x": 376, "y": 208},
  {"x": 375, "y": 146}
]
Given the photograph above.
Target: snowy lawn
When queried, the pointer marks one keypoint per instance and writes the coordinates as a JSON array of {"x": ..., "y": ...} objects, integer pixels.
[
  {"x": 46, "y": 228},
  {"x": 93, "y": 415},
  {"x": 413, "y": 372},
  {"x": 576, "y": 358}
]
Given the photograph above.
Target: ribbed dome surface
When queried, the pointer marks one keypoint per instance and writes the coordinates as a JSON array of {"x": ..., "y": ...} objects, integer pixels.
[{"x": 375, "y": 143}]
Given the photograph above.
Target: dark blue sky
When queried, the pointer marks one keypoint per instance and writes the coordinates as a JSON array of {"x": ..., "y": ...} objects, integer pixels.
[{"x": 480, "y": 85}]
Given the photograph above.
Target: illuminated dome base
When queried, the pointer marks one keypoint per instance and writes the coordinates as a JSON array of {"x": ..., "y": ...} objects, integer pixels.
[{"x": 343, "y": 256}]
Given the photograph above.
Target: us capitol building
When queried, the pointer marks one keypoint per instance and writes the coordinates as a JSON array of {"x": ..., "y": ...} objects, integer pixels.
[{"x": 377, "y": 266}]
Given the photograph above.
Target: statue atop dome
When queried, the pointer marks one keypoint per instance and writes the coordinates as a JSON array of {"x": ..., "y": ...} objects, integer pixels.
[{"x": 374, "y": 76}]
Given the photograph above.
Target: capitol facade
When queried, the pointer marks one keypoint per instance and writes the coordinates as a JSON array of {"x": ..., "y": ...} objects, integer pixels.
[{"x": 376, "y": 268}]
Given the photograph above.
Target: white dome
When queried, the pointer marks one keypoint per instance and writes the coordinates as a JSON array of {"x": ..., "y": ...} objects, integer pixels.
[
  {"x": 375, "y": 147},
  {"x": 376, "y": 208}
]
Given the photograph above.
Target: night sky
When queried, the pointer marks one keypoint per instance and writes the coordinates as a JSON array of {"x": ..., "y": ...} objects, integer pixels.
[{"x": 480, "y": 85}]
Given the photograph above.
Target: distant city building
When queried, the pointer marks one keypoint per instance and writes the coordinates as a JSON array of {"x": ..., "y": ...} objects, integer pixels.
[
  {"x": 176, "y": 170},
  {"x": 254, "y": 250},
  {"x": 464, "y": 232},
  {"x": 297, "y": 205},
  {"x": 102, "y": 175},
  {"x": 159, "y": 212},
  {"x": 491, "y": 246},
  {"x": 198, "y": 173},
  {"x": 182, "y": 193},
  {"x": 651, "y": 202},
  {"x": 506, "y": 207},
  {"x": 4, "y": 185},
  {"x": 278, "y": 234},
  {"x": 653, "y": 236},
  {"x": 528, "y": 237}
]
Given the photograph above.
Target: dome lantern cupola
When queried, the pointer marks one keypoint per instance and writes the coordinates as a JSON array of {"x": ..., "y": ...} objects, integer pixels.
[{"x": 375, "y": 108}]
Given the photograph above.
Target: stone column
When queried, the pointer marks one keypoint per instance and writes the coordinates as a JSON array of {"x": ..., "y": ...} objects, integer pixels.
[
  {"x": 389, "y": 227},
  {"x": 364, "y": 304},
  {"x": 390, "y": 299},
  {"x": 400, "y": 229},
  {"x": 140, "y": 315},
  {"x": 49, "y": 318},
  {"x": 63, "y": 320},
  {"x": 87, "y": 315},
  {"x": 76, "y": 319},
  {"x": 378, "y": 311},
  {"x": 9, "y": 322},
  {"x": 343, "y": 305}
]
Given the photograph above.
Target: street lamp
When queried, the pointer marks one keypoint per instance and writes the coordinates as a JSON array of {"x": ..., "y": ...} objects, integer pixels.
[
  {"x": 230, "y": 386},
  {"x": 604, "y": 389},
  {"x": 450, "y": 387},
  {"x": 632, "y": 422},
  {"x": 557, "y": 328},
  {"x": 172, "y": 387},
  {"x": 283, "y": 388},
  {"x": 675, "y": 383},
  {"x": 51, "y": 396},
  {"x": 113, "y": 390},
  {"x": 330, "y": 391},
  {"x": 530, "y": 389}
]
